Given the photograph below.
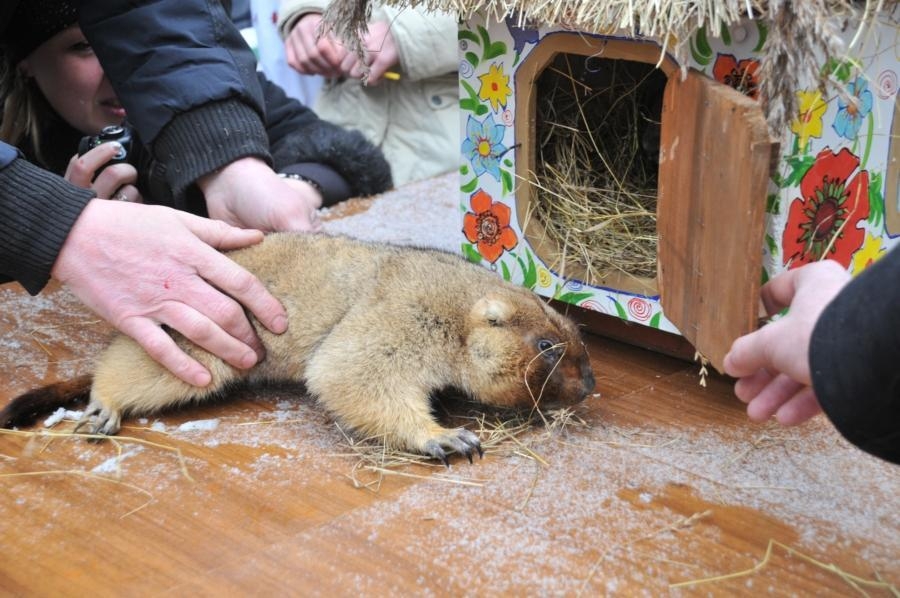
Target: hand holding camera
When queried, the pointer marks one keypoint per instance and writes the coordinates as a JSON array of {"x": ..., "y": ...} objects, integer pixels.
[{"x": 102, "y": 165}]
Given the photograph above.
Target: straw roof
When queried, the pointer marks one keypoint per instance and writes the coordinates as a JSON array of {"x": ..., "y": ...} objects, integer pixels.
[{"x": 802, "y": 33}]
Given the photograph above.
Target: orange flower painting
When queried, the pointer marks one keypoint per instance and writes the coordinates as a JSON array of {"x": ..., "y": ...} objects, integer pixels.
[
  {"x": 487, "y": 225},
  {"x": 739, "y": 74}
]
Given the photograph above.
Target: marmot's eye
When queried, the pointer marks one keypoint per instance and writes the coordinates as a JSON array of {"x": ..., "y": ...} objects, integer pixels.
[{"x": 545, "y": 345}]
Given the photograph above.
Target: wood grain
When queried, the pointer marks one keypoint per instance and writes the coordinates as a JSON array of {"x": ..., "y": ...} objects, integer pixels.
[
  {"x": 269, "y": 507},
  {"x": 713, "y": 176},
  {"x": 659, "y": 481}
]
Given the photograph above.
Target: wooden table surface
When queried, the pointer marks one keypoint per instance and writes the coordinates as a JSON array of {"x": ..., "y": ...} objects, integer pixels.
[{"x": 657, "y": 482}]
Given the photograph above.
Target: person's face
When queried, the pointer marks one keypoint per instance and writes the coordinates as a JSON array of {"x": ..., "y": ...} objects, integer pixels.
[{"x": 71, "y": 78}]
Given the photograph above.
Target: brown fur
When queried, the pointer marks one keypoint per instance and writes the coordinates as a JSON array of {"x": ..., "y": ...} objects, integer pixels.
[
  {"x": 373, "y": 332},
  {"x": 27, "y": 407}
]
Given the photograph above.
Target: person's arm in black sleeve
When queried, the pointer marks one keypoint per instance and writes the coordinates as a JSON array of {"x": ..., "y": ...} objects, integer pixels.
[
  {"x": 855, "y": 359},
  {"x": 186, "y": 78},
  {"x": 38, "y": 210},
  {"x": 342, "y": 163}
]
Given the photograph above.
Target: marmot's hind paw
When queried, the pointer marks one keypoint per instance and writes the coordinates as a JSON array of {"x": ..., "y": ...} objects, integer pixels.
[
  {"x": 99, "y": 420},
  {"x": 460, "y": 440}
]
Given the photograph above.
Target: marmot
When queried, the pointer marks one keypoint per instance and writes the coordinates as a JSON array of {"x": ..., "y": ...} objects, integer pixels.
[{"x": 373, "y": 332}]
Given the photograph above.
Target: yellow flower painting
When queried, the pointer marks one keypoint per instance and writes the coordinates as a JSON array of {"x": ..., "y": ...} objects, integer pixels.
[
  {"x": 871, "y": 251},
  {"x": 495, "y": 87},
  {"x": 809, "y": 121}
]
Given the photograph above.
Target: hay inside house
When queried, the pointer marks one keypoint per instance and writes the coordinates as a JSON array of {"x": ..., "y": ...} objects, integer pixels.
[{"x": 597, "y": 149}]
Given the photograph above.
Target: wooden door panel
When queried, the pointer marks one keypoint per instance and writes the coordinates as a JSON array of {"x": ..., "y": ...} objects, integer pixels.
[{"x": 714, "y": 171}]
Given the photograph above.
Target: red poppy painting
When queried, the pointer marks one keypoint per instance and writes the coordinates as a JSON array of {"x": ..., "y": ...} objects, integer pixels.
[
  {"x": 739, "y": 74},
  {"x": 824, "y": 222},
  {"x": 487, "y": 225}
]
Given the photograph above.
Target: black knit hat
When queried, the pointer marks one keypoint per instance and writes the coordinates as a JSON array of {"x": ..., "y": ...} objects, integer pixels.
[{"x": 33, "y": 23}]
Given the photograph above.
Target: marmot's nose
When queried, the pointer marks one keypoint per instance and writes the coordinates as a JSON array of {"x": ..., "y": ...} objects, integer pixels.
[{"x": 587, "y": 379}]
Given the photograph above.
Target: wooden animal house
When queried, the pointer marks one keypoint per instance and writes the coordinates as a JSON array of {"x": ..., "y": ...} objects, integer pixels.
[{"x": 657, "y": 162}]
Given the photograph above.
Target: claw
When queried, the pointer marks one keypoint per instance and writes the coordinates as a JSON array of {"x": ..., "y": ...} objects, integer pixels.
[
  {"x": 473, "y": 442},
  {"x": 99, "y": 420},
  {"x": 460, "y": 440},
  {"x": 433, "y": 448}
]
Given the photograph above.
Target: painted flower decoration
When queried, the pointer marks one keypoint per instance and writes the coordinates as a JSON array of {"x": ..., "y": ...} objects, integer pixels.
[
  {"x": 483, "y": 145},
  {"x": 871, "y": 251},
  {"x": 741, "y": 75},
  {"x": 592, "y": 305},
  {"x": 466, "y": 69},
  {"x": 640, "y": 309},
  {"x": 853, "y": 110},
  {"x": 809, "y": 120},
  {"x": 545, "y": 279},
  {"x": 487, "y": 225},
  {"x": 494, "y": 87},
  {"x": 824, "y": 221},
  {"x": 886, "y": 84}
]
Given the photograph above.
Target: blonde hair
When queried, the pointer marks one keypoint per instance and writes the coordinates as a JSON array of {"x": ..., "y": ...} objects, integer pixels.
[{"x": 24, "y": 109}]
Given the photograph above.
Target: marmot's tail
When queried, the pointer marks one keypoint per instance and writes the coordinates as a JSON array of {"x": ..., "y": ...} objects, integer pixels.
[{"x": 26, "y": 408}]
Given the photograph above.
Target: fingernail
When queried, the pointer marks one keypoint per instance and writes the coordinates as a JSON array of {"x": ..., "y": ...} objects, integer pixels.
[
  {"x": 279, "y": 324},
  {"x": 249, "y": 360},
  {"x": 202, "y": 379}
]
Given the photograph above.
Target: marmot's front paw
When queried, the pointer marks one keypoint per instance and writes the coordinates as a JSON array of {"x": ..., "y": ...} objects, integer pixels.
[
  {"x": 97, "y": 419},
  {"x": 460, "y": 440}
]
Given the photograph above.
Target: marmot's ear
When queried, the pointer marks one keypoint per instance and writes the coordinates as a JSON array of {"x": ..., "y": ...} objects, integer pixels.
[{"x": 492, "y": 309}]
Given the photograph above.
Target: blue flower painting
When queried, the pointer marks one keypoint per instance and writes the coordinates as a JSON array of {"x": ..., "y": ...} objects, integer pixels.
[
  {"x": 851, "y": 113},
  {"x": 483, "y": 145}
]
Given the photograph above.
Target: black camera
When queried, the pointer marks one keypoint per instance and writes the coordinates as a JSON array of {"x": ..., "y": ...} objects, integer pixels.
[{"x": 122, "y": 134}]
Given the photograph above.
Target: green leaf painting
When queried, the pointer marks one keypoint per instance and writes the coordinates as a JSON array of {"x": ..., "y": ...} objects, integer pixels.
[
  {"x": 773, "y": 204},
  {"x": 529, "y": 270},
  {"x": 470, "y": 186},
  {"x": 763, "y": 31},
  {"x": 465, "y": 34},
  {"x": 573, "y": 298},
  {"x": 876, "y": 200},
  {"x": 870, "y": 130},
  {"x": 700, "y": 48},
  {"x": 507, "y": 181},
  {"x": 472, "y": 103},
  {"x": 490, "y": 50},
  {"x": 771, "y": 244},
  {"x": 620, "y": 310},
  {"x": 725, "y": 34},
  {"x": 799, "y": 165},
  {"x": 471, "y": 254},
  {"x": 842, "y": 70}
]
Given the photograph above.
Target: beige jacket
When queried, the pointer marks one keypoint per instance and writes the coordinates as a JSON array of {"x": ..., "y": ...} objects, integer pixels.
[{"x": 415, "y": 121}]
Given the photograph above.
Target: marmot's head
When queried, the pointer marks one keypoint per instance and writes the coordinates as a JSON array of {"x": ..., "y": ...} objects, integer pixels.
[{"x": 524, "y": 354}]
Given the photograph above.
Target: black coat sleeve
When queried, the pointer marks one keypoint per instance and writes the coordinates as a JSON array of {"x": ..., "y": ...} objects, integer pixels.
[
  {"x": 343, "y": 162},
  {"x": 37, "y": 211},
  {"x": 186, "y": 78},
  {"x": 855, "y": 359}
]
